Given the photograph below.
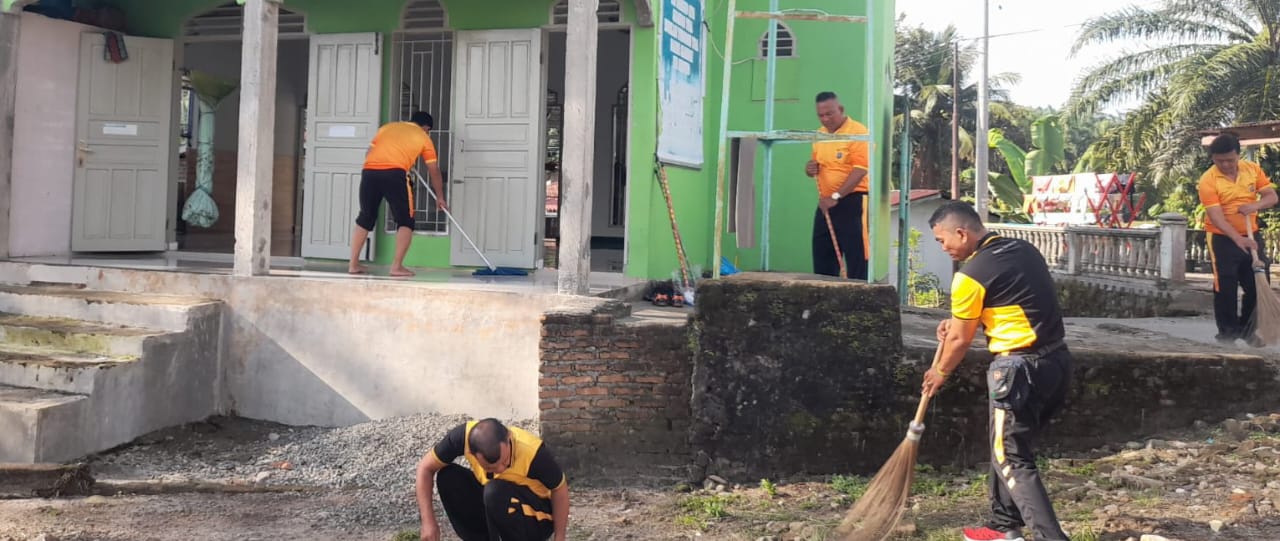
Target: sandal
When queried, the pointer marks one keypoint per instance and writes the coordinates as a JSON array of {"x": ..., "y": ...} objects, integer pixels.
[
  {"x": 677, "y": 300},
  {"x": 661, "y": 299}
]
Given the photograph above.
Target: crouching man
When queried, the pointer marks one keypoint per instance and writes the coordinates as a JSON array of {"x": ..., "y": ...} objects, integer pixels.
[{"x": 514, "y": 491}]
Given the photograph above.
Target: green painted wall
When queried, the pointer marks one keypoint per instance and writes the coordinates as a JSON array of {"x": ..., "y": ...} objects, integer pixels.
[{"x": 829, "y": 57}]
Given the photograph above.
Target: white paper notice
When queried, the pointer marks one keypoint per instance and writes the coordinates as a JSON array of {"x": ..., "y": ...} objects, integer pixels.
[
  {"x": 342, "y": 131},
  {"x": 111, "y": 128}
]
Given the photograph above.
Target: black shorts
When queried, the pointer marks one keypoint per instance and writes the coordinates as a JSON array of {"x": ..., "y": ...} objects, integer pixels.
[{"x": 392, "y": 185}]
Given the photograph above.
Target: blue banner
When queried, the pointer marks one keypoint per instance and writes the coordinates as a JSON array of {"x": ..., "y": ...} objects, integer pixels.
[{"x": 681, "y": 83}]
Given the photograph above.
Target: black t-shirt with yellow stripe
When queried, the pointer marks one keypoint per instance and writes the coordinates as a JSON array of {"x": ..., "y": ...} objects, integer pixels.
[
  {"x": 1006, "y": 284},
  {"x": 531, "y": 464}
]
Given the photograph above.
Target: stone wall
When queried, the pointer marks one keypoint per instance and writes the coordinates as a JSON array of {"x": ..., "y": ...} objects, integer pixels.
[
  {"x": 614, "y": 395},
  {"x": 786, "y": 376},
  {"x": 790, "y": 375},
  {"x": 1100, "y": 297},
  {"x": 1115, "y": 397}
]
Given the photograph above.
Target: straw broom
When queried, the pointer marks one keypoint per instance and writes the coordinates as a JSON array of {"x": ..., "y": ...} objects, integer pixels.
[
  {"x": 876, "y": 514},
  {"x": 1266, "y": 315}
]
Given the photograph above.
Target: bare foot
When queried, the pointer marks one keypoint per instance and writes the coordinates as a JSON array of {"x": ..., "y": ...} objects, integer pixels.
[
  {"x": 357, "y": 269},
  {"x": 401, "y": 271}
]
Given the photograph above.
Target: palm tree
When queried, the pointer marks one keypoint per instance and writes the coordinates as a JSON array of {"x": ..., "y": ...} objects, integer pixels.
[
  {"x": 923, "y": 78},
  {"x": 1206, "y": 64}
]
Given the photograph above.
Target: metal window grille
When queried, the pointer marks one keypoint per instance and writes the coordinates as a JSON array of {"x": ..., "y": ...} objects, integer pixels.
[
  {"x": 610, "y": 11},
  {"x": 786, "y": 43},
  {"x": 422, "y": 80}
]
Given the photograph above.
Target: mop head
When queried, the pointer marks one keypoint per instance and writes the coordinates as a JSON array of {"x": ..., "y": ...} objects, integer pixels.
[
  {"x": 875, "y": 515},
  {"x": 500, "y": 271}
]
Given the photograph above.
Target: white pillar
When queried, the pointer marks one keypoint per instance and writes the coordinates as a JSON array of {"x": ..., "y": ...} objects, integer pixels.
[
  {"x": 257, "y": 138},
  {"x": 577, "y": 165},
  {"x": 1173, "y": 247},
  {"x": 8, "y": 93}
]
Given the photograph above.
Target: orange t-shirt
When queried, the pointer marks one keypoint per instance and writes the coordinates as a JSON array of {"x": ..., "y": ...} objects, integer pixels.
[
  {"x": 837, "y": 159},
  {"x": 397, "y": 145},
  {"x": 1216, "y": 190}
]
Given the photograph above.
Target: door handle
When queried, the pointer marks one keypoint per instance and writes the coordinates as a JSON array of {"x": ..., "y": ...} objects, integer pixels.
[{"x": 81, "y": 151}]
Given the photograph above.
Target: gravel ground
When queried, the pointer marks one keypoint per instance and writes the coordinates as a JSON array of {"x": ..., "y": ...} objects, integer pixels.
[{"x": 374, "y": 461}]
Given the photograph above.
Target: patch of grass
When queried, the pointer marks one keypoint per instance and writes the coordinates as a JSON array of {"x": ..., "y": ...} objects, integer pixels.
[
  {"x": 1087, "y": 469},
  {"x": 853, "y": 486},
  {"x": 940, "y": 535},
  {"x": 929, "y": 486},
  {"x": 699, "y": 511},
  {"x": 1148, "y": 499},
  {"x": 1086, "y": 533},
  {"x": 406, "y": 535},
  {"x": 769, "y": 488},
  {"x": 976, "y": 487}
]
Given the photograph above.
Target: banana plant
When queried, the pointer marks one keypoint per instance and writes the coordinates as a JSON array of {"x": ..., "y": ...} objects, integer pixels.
[{"x": 1012, "y": 188}]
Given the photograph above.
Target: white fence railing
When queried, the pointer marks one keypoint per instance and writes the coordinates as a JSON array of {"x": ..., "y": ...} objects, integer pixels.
[{"x": 1157, "y": 254}]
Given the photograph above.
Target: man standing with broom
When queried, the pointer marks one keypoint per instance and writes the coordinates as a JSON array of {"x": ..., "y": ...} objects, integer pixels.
[
  {"x": 1005, "y": 287},
  {"x": 1230, "y": 193},
  {"x": 840, "y": 168}
]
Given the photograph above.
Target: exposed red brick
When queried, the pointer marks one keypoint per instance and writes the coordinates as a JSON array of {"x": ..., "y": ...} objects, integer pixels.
[
  {"x": 555, "y": 393},
  {"x": 614, "y": 379},
  {"x": 611, "y": 403},
  {"x": 593, "y": 391},
  {"x": 576, "y": 380},
  {"x": 574, "y": 404},
  {"x": 651, "y": 379}
]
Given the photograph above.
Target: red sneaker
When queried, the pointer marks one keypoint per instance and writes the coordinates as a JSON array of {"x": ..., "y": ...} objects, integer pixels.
[{"x": 988, "y": 534}]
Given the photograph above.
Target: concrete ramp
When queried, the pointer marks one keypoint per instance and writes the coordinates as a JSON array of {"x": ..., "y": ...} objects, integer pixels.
[{"x": 84, "y": 371}]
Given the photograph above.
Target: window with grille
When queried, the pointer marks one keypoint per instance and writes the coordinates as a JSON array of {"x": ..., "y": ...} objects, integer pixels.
[
  {"x": 226, "y": 23},
  {"x": 422, "y": 80},
  {"x": 610, "y": 11},
  {"x": 786, "y": 42}
]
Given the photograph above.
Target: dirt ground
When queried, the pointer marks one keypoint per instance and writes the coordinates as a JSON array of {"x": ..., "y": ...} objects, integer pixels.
[{"x": 1176, "y": 487}]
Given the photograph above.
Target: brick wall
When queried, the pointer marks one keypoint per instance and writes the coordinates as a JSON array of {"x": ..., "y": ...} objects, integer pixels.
[{"x": 615, "y": 396}]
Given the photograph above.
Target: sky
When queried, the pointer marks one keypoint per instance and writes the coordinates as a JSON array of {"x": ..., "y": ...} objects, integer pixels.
[{"x": 1041, "y": 54}]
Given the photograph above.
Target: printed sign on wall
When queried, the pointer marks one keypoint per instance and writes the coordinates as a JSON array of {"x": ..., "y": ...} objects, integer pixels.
[{"x": 681, "y": 83}]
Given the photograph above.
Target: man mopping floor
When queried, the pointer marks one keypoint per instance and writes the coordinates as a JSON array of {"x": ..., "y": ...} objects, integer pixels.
[
  {"x": 391, "y": 155},
  {"x": 1005, "y": 287}
]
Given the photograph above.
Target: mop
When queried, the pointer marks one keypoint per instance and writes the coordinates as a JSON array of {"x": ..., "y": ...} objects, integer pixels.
[{"x": 492, "y": 270}]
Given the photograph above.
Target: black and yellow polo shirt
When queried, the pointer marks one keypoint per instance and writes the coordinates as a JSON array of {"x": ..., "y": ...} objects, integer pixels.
[
  {"x": 532, "y": 465},
  {"x": 1006, "y": 284}
]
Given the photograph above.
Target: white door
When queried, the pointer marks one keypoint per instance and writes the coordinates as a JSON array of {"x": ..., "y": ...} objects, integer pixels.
[
  {"x": 121, "y": 194},
  {"x": 497, "y": 167},
  {"x": 343, "y": 101}
]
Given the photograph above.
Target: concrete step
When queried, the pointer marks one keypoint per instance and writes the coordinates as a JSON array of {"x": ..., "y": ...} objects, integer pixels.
[
  {"x": 74, "y": 336},
  {"x": 38, "y": 425},
  {"x": 51, "y": 369},
  {"x": 157, "y": 312}
]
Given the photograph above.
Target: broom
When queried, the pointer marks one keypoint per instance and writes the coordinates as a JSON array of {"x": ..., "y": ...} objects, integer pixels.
[
  {"x": 1266, "y": 314},
  {"x": 876, "y": 514},
  {"x": 831, "y": 230}
]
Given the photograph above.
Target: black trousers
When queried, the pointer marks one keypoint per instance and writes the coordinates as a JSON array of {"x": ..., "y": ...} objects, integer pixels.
[
  {"x": 846, "y": 219},
  {"x": 1233, "y": 271},
  {"x": 392, "y": 185},
  {"x": 497, "y": 511},
  {"x": 1026, "y": 391}
]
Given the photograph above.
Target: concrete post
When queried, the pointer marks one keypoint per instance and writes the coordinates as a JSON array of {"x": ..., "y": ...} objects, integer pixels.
[
  {"x": 574, "y": 277},
  {"x": 9, "y": 23},
  {"x": 1173, "y": 247},
  {"x": 257, "y": 139},
  {"x": 1074, "y": 245}
]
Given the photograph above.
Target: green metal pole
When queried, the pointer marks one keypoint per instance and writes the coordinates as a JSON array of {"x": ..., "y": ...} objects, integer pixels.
[
  {"x": 904, "y": 205},
  {"x": 874, "y": 182},
  {"x": 725, "y": 81},
  {"x": 770, "y": 94}
]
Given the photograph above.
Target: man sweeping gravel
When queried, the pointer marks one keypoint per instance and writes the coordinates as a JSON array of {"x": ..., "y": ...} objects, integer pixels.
[
  {"x": 1005, "y": 286},
  {"x": 514, "y": 491}
]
